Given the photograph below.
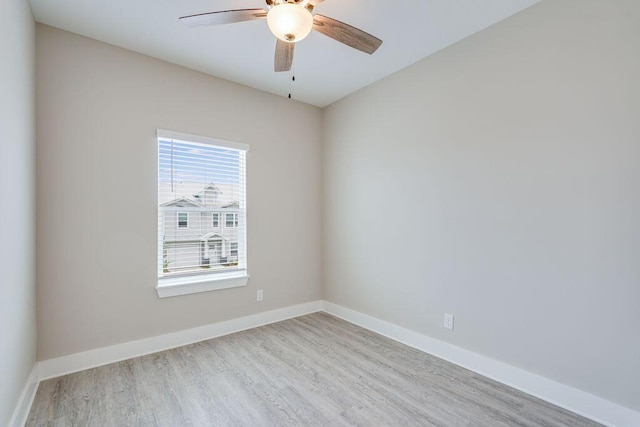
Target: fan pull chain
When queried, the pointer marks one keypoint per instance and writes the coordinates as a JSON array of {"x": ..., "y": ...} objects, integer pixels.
[{"x": 291, "y": 82}]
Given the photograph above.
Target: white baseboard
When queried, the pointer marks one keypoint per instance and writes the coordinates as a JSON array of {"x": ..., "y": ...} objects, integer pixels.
[
  {"x": 574, "y": 400},
  {"x": 21, "y": 412},
  {"x": 577, "y": 401},
  {"x": 103, "y": 356}
]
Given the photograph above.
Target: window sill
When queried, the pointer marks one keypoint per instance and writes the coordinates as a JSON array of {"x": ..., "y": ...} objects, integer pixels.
[{"x": 175, "y": 286}]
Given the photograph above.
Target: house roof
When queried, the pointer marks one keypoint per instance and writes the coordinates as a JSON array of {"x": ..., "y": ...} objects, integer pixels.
[
  {"x": 233, "y": 204},
  {"x": 192, "y": 195},
  {"x": 181, "y": 202},
  {"x": 210, "y": 186},
  {"x": 214, "y": 234}
]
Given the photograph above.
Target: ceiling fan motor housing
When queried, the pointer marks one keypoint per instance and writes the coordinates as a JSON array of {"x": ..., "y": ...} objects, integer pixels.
[{"x": 306, "y": 3}]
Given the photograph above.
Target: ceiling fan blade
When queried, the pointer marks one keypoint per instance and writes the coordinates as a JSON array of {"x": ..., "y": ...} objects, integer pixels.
[
  {"x": 284, "y": 56},
  {"x": 223, "y": 17},
  {"x": 345, "y": 33}
]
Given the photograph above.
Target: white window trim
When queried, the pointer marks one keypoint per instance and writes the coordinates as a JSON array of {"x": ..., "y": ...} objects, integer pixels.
[
  {"x": 175, "y": 286},
  {"x": 215, "y": 215},
  {"x": 178, "y": 220},
  {"x": 234, "y": 220}
]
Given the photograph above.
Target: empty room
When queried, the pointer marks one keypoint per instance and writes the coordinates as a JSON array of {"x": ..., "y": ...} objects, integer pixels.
[{"x": 320, "y": 212}]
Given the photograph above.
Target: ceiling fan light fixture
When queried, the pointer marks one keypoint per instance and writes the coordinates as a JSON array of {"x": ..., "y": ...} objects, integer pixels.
[{"x": 290, "y": 22}]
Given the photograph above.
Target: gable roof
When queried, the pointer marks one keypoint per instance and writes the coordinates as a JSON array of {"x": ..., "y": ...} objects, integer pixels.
[
  {"x": 214, "y": 234},
  {"x": 210, "y": 186},
  {"x": 183, "y": 202}
]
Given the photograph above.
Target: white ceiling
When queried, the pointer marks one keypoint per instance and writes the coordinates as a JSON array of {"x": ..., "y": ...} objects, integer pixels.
[{"x": 325, "y": 70}]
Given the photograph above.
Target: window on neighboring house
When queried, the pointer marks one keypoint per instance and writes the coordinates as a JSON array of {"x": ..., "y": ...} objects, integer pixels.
[
  {"x": 183, "y": 220},
  {"x": 231, "y": 220},
  {"x": 188, "y": 167},
  {"x": 234, "y": 250}
]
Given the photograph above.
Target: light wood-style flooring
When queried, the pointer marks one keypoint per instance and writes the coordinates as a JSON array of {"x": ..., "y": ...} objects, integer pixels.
[{"x": 314, "y": 370}]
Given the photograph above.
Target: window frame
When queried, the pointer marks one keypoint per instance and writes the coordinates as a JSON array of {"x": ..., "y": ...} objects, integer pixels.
[
  {"x": 178, "y": 220},
  {"x": 196, "y": 282},
  {"x": 215, "y": 223},
  {"x": 234, "y": 220}
]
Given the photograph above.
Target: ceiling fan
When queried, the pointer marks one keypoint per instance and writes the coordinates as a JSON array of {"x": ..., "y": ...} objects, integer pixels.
[{"x": 290, "y": 21}]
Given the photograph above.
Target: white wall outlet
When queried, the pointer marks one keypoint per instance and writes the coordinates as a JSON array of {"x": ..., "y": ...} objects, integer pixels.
[
  {"x": 448, "y": 321},
  {"x": 260, "y": 295}
]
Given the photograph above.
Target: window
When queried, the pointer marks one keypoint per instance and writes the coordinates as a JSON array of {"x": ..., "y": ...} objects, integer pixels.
[
  {"x": 231, "y": 220},
  {"x": 183, "y": 220},
  {"x": 198, "y": 177}
]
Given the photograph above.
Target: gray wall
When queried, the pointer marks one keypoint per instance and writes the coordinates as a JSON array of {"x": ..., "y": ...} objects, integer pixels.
[
  {"x": 498, "y": 180},
  {"x": 98, "y": 109},
  {"x": 17, "y": 210}
]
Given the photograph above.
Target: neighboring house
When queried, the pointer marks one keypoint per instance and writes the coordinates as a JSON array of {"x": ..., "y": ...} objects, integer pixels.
[{"x": 199, "y": 231}]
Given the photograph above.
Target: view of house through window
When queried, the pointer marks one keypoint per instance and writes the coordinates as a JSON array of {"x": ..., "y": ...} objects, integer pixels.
[{"x": 201, "y": 207}]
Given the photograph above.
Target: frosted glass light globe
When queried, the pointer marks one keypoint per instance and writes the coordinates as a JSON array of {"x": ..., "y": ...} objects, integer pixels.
[{"x": 290, "y": 22}]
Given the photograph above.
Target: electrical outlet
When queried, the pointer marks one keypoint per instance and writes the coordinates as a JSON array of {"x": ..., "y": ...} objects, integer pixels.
[
  {"x": 448, "y": 321},
  {"x": 260, "y": 295}
]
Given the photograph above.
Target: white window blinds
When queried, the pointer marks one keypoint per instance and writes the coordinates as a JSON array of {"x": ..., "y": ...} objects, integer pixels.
[{"x": 201, "y": 181}]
